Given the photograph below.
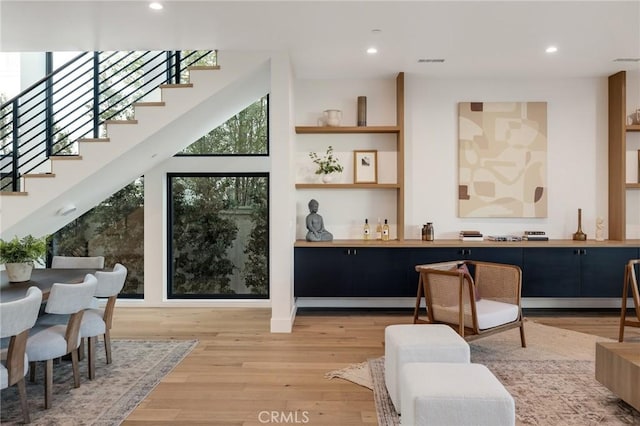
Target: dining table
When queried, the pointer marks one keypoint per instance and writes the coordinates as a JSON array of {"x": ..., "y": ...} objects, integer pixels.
[{"x": 43, "y": 278}]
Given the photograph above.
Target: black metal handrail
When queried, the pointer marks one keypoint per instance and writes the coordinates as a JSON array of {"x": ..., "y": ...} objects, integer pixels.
[{"x": 73, "y": 102}]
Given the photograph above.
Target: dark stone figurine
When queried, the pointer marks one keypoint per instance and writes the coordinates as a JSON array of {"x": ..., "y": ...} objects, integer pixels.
[{"x": 315, "y": 225}]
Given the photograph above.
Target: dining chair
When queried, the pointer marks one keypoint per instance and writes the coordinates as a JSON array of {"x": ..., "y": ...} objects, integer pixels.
[
  {"x": 97, "y": 322},
  {"x": 48, "y": 342},
  {"x": 16, "y": 319},
  {"x": 630, "y": 286},
  {"x": 77, "y": 262},
  {"x": 475, "y": 298}
]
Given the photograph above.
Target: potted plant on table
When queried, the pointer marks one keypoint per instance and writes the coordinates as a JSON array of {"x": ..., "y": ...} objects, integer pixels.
[
  {"x": 19, "y": 254},
  {"x": 327, "y": 164}
]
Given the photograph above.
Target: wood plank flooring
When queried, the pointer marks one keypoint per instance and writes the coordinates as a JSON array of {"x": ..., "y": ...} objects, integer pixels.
[{"x": 241, "y": 374}]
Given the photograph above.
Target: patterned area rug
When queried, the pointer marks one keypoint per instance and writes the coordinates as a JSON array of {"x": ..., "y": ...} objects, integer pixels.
[
  {"x": 552, "y": 380},
  {"x": 137, "y": 367}
]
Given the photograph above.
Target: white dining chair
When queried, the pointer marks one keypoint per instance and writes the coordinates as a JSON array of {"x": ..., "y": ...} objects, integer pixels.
[
  {"x": 77, "y": 262},
  {"x": 16, "y": 319},
  {"x": 97, "y": 322},
  {"x": 48, "y": 342}
]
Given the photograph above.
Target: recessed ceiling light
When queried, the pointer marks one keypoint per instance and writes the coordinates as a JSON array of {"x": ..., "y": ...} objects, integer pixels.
[
  {"x": 155, "y": 5},
  {"x": 430, "y": 60},
  {"x": 372, "y": 51},
  {"x": 551, "y": 49},
  {"x": 376, "y": 30}
]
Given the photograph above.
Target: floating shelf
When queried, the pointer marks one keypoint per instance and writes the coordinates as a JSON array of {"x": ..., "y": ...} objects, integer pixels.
[
  {"x": 633, "y": 128},
  {"x": 632, "y": 185},
  {"x": 347, "y": 185},
  {"x": 360, "y": 129}
]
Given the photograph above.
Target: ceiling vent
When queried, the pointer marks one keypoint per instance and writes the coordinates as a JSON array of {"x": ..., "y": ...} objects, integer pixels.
[
  {"x": 424, "y": 61},
  {"x": 627, "y": 60}
]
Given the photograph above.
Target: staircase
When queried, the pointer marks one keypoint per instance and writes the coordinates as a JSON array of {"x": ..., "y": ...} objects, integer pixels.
[{"x": 185, "y": 112}]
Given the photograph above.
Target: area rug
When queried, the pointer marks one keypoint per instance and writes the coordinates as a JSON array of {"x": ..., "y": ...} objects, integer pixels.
[
  {"x": 552, "y": 380},
  {"x": 137, "y": 367}
]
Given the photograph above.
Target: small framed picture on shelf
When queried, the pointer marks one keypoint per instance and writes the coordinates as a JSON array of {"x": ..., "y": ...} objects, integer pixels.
[{"x": 365, "y": 166}]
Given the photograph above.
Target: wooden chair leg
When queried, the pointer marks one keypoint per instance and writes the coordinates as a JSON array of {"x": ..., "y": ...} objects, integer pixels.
[
  {"x": 81, "y": 350},
  {"x": 48, "y": 383},
  {"x": 522, "y": 339},
  {"x": 623, "y": 309},
  {"x": 91, "y": 357},
  {"x": 107, "y": 345},
  {"x": 22, "y": 390},
  {"x": 75, "y": 368},
  {"x": 32, "y": 371}
]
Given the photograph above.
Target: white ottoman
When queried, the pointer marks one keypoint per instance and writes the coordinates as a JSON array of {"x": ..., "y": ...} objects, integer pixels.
[
  {"x": 419, "y": 343},
  {"x": 454, "y": 394}
]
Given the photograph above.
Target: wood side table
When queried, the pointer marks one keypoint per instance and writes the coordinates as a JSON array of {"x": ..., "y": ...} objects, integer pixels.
[{"x": 618, "y": 368}]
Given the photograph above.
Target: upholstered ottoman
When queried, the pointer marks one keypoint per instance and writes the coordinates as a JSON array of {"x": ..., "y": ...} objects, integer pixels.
[
  {"x": 453, "y": 394},
  {"x": 419, "y": 343}
]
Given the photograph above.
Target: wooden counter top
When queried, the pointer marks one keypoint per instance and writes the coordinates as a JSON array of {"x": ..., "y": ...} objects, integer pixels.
[{"x": 441, "y": 243}]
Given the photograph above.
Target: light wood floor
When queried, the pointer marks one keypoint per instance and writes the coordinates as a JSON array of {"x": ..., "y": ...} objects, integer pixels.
[{"x": 240, "y": 372}]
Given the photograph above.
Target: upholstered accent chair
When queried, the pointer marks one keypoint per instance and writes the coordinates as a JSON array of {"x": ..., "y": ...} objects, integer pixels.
[
  {"x": 630, "y": 286},
  {"x": 77, "y": 262},
  {"x": 475, "y": 298},
  {"x": 97, "y": 322},
  {"x": 16, "y": 319},
  {"x": 48, "y": 342}
]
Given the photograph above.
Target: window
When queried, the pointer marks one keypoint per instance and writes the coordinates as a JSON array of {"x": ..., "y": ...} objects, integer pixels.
[
  {"x": 218, "y": 235},
  {"x": 243, "y": 134},
  {"x": 113, "y": 229}
]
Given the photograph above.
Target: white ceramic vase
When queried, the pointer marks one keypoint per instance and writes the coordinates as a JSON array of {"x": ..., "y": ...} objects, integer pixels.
[
  {"x": 19, "y": 272},
  {"x": 327, "y": 178}
]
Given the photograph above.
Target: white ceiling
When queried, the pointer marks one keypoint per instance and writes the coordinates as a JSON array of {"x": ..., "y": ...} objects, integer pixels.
[{"x": 328, "y": 39}]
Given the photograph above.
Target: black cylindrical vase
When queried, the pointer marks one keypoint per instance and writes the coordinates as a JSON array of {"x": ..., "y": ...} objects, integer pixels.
[{"x": 362, "y": 110}]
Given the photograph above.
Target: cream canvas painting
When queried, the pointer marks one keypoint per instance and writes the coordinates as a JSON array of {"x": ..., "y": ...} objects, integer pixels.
[{"x": 502, "y": 159}]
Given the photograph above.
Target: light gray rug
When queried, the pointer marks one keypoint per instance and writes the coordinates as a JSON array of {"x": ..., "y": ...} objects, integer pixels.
[
  {"x": 552, "y": 380},
  {"x": 137, "y": 367}
]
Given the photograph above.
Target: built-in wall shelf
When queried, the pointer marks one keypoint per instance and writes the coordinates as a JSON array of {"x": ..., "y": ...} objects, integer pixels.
[
  {"x": 633, "y": 186},
  {"x": 345, "y": 129},
  {"x": 633, "y": 128},
  {"x": 347, "y": 185}
]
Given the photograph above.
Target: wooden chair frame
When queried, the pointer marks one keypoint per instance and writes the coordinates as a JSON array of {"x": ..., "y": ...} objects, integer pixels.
[
  {"x": 630, "y": 285},
  {"x": 467, "y": 331}
]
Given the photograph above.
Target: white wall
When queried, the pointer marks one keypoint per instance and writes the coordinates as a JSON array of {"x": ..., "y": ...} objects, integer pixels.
[{"x": 577, "y": 152}]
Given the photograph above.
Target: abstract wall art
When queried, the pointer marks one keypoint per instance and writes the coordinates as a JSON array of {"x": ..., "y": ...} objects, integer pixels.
[{"x": 502, "y": 159}]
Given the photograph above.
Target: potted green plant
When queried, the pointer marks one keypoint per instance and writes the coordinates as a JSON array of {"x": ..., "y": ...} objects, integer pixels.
[
  {"x": 19, "y": 254},
  {"x": 327, "y": 164}
]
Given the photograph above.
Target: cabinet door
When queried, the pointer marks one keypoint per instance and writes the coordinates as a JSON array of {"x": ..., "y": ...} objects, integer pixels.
[
  {"x": 602, "y": 270},
  {"x": 321, "y": 272},
  {"x": 551, "y": 272},
  {"x": 381, "y": 272}
]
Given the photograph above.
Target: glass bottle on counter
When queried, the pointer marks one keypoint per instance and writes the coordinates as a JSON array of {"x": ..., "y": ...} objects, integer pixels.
[
  {"x": 385, "y": 231},
  {"x": 367, "y": 230},
  {"x": 379, "y": 230},
  {"x": 429, "y": 231}
]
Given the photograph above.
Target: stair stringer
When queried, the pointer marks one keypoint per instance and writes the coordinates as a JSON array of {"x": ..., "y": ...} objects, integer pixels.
[{"x": 161, "y": 131}]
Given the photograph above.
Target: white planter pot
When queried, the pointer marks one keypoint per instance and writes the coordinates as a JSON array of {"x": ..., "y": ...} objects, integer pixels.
[
  {"x": 327, "y": 178},
  {"x": 19, "y": 272}
]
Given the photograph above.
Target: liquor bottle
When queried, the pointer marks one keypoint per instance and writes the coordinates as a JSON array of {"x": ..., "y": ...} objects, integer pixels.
[
  {"x": 385, "y": 231},
  {"x": 378, "y": 230},
  {"x": 367, "y": 229}
]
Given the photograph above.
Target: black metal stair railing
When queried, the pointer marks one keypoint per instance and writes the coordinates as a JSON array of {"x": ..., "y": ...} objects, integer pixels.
[{"x": 75, "y": 100}]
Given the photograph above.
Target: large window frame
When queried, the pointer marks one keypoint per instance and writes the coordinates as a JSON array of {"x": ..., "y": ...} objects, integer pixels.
[{"x": 170, "y": 212}]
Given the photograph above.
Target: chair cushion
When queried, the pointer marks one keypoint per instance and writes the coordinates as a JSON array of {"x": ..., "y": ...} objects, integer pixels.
[
  {"x": 47, "y": 343},
  {"x": 490, "y": 314},
  {"x": 92, "y": 323}
]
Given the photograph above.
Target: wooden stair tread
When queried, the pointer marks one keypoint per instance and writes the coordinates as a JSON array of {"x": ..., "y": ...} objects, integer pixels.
[
  {"x": 175, "y": 86},
  {"x": 11, "y": 193},
  {"x": 94, "y": 140},
  {"x": 121, "y": 122},
  {"x": 203, "y": 67},
  {"x": 149, "y": 104},
  {"x": 39, "y": 175},
  {"x": 65, "y": 157}
]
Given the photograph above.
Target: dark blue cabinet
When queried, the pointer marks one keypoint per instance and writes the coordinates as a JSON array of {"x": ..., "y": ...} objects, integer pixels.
[{"x": 575, "y": 272}]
